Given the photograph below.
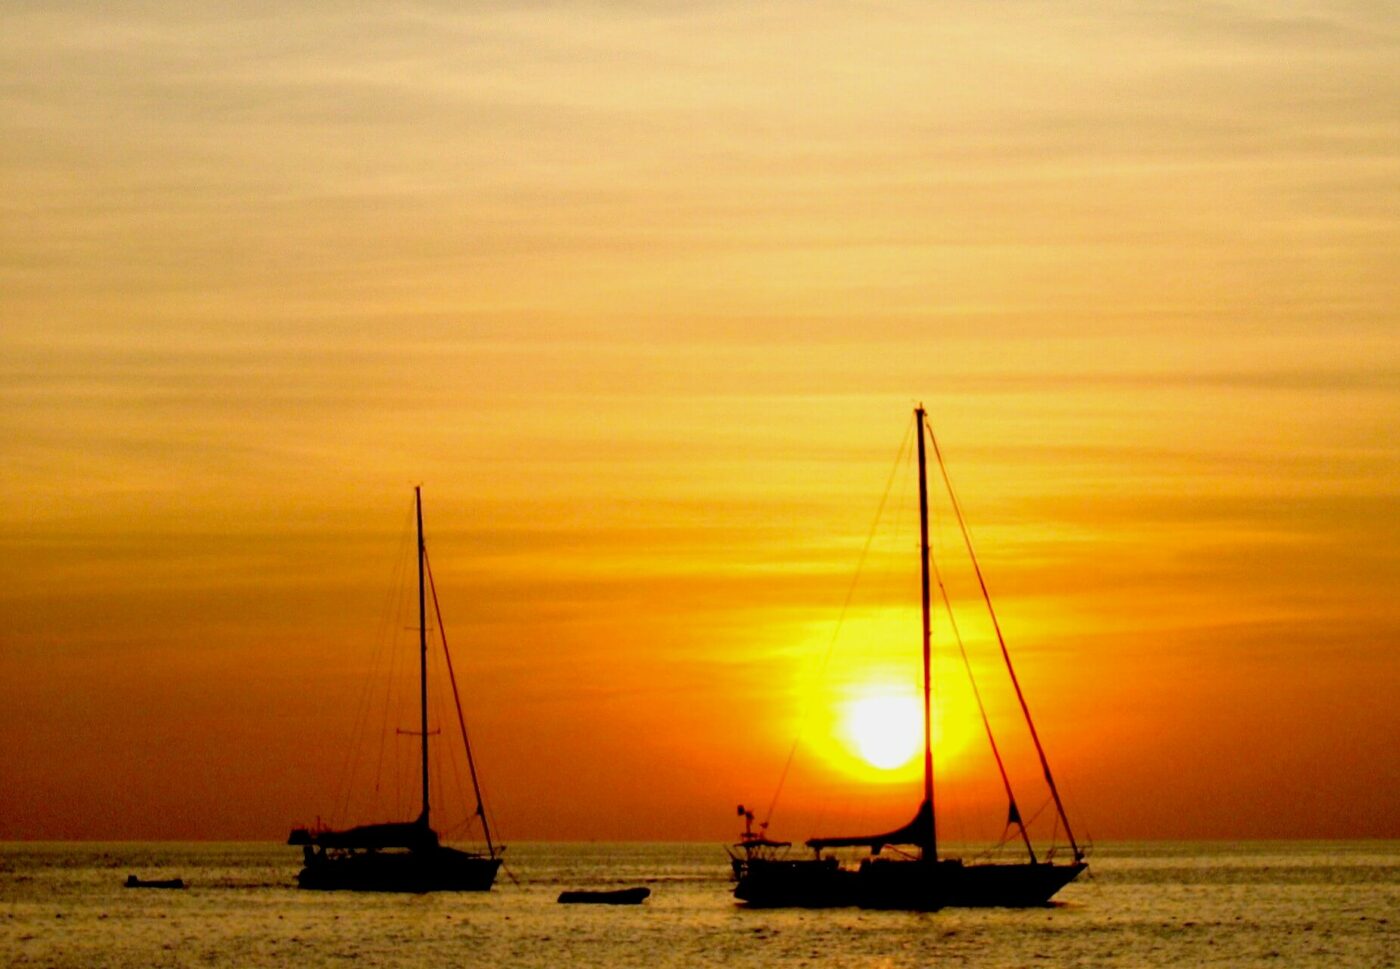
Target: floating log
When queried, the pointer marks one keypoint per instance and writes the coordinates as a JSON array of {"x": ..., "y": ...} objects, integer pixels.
[
  {"x": 620, "y": 896},
  {"x": 133, "y": 882}
]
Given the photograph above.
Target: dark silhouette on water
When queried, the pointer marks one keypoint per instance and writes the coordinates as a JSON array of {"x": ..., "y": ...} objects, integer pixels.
[
  {"x": 617, "y": 896},
  {"x": 920, "y": 880},
  {"x": 133, "y": 882},
  {"x": 403, "y": 856}
]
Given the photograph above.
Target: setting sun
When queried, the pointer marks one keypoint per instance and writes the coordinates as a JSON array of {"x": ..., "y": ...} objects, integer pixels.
[{"x": 885, "y": 728}]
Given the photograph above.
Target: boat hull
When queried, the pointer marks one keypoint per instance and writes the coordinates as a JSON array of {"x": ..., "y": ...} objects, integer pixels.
[
  {"x": 765, "y": 883},
  {"x": 903, "y": 884},
  {"x": 989, "y": 885},
  {"x": 437, "y": 870}
]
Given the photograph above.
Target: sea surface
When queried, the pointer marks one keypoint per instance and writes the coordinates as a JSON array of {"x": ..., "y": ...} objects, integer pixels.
[{"x": 1334, "y": 904}]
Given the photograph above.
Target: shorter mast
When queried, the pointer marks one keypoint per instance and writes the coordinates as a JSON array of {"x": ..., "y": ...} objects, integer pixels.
[
  {"x": 422, "y": 648},
  {"x": 929, "y": 846}
]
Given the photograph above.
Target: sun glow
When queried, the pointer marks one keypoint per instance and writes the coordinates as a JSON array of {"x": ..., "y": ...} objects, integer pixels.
[
  {"x": 877, "y": 728},
  {"x": 885, "y": 729}
]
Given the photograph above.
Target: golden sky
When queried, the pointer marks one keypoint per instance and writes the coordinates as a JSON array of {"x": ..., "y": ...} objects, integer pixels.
[{"x": 643, "y": 294}]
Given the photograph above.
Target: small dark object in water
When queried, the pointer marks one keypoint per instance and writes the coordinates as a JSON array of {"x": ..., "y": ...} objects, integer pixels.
[
  {"x": 621, "y": 896},
  {"x": 133, "y": 882}
]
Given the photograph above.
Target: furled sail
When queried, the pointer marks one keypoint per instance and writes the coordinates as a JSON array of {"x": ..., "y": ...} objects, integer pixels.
[{"x": 918, "y": 832}]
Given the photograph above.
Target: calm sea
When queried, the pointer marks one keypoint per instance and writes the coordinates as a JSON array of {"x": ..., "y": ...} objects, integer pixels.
[{"x": 1253, "y": 904}]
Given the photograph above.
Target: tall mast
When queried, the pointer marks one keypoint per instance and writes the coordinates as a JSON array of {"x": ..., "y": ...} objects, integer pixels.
[
  {"x": 423, "y": 648},
  {"x": 930, "y": 847}
]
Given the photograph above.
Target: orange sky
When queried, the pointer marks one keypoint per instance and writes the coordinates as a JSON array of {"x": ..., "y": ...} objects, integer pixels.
[{"x": 644, "y": 295}]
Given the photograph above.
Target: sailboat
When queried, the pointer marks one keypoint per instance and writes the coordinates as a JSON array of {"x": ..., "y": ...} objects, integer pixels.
[
  {"x": 403, "y": 856},
  {"x": 920, "y": 878}
]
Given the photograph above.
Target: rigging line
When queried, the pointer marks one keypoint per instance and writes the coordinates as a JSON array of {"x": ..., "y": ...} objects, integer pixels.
[
  {"x": 393, "y": 690},
  {"x": 1001, "y": 641},
  {"x": 982, "y": 709},
  {"x": 840, "y": 620},
  {"x": 401, "y": 698},
  {"x": 461, "y": 718},
  {"x": 363, "y": 706},
  {"x": 510, "y": 874},
  {"x": 461, "y": 824},
  {"x": 487, "y": 812},
  {"x": 1038, "y": 812},
  {"x": 453, "y": 770},
  {"x": 393, "y": 703}
]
